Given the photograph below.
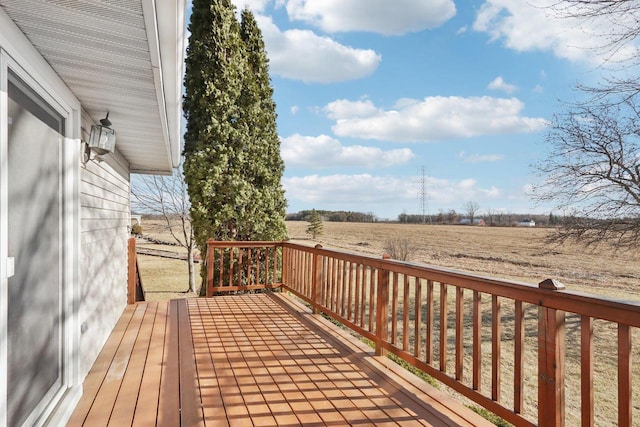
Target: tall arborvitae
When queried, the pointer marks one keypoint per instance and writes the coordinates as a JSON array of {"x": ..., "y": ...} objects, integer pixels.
[
  {"x": 214, "y": 143},
  {"x": 232, "y": 161},
  {"x": 265, "y": 166}
]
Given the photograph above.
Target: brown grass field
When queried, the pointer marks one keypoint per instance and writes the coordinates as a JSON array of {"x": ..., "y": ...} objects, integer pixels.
[
  {"x": 520, "y": 254},
  {"x": 503, "y": 252}
]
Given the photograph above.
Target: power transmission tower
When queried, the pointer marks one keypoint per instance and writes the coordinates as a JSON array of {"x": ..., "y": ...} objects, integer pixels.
[{"x": 422, "y": 194}]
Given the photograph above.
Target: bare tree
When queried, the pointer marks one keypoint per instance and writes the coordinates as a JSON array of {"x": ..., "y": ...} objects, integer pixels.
[
  {"x": 593, "y": 172},
  {"x": 615, "y": 21},
  {"x": 167, "y": 196},
  {"x": 491, "y": 216},
  {"x": 452, "y": 216},
  {"x": 471, "y": 208}
]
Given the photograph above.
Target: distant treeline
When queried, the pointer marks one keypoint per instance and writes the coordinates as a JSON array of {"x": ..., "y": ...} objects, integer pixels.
[
  {"x": 491, "y": 218},
  {"x": 334, "y": 216}
]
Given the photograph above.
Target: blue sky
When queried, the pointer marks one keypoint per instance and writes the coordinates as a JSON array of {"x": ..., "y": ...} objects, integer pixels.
[{"x": 369, "y": 92}]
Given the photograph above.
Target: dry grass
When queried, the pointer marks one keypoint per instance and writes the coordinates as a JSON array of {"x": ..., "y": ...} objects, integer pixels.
[
  {"x": 164, "y": 278},
  {"x": 509, "y": 253}
]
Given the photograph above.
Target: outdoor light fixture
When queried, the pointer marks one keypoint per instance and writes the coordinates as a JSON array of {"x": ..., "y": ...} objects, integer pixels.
[{"x": 102, "y": 140}]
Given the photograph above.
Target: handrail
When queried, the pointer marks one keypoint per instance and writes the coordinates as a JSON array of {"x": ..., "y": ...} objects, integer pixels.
[{"x": 437, "y": 320}]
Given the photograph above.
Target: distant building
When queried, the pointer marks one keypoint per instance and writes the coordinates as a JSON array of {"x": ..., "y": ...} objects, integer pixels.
[
  {"x": 136, "y": 219},
  {"x": 527, "y": 223}
]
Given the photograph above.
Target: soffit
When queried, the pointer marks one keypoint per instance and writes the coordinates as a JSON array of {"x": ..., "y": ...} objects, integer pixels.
[{"x": 101, "y": 50}]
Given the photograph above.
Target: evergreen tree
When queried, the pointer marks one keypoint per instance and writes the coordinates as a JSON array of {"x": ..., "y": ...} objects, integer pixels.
[
  {"x": 214, "y": 68},
  {"x": 233, "y": 176},
  {"x": 315, "y": 225},
  {"x": 265, "y": 167}
]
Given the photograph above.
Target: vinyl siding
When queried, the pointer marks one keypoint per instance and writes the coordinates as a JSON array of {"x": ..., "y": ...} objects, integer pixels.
[{"x": 104, "y": 220}]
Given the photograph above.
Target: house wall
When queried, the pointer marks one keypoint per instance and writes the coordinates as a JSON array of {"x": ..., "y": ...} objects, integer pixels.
[
  {"x": 104, "y": 231},
  {"x": 21, "y": 58}
]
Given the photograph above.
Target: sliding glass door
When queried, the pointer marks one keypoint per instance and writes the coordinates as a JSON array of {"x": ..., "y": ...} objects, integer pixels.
[{"x": 35, "y": 291}]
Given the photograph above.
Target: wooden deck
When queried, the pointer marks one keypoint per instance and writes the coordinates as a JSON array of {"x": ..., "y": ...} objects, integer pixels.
[{"x": 257, "y": 359}]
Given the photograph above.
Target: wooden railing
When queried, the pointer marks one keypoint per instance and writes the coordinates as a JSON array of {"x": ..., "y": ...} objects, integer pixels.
[
  {"x": 242, "y": 266},
  {"x": 135, "y": 290},
  {"x": 455, "y": 326}
]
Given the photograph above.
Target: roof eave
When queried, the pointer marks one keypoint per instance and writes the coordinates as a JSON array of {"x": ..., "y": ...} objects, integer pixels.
[{"x": 165, "y": 25}]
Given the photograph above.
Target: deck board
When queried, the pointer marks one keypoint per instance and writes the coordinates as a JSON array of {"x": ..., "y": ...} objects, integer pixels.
[
  {"x": 147, "y": 402},
  {"x": 95, "y": 377},
  {"x": 125, "y": 404},
  {"x": 169, "y": 401},
  {"x": 256, "y": 359},
  {"x": 114, "y": 377}
]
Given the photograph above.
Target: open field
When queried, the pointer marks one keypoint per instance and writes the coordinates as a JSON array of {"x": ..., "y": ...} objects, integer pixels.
[{"x": 503, "y": 252}]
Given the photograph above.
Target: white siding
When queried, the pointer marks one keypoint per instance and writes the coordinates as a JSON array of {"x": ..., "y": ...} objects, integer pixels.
[{"x": 104, "y": 218}]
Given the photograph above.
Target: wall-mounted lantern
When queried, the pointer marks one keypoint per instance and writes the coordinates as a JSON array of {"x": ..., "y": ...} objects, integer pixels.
[{"x": 102, "y": 140}]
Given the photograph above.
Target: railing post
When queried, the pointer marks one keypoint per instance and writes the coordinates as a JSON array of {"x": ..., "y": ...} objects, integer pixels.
[
  {"x": 132, "y": 272},
  {"x": 551, "y": 351},
  {"x": 209, "y": 282},
  {"x": 316, "y": 279},
  {"x": 382, "y": 308}
]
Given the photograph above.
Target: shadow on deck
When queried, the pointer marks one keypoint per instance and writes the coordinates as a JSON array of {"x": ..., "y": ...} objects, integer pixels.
[{"x": 256, "y": 359}]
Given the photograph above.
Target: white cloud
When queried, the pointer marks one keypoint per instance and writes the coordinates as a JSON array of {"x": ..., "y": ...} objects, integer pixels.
[
  {"x": 323, "y": 152},
  {"x": 294, "y": 110},
  {"x": 345, "y": 109},
  {"x": 256, "y": 6},
  {"x": 303, "y": 55},
  {"x": 533, "y": 25},
  {"x": 431, "y": 119},
  {"x": 538, "y": 89},
  {"x": 499, "y": 84},
  {"x": 480, "y": 158},
  {"x": 377, "y": 16},
  {"x": 386, "y": 196},
  {"x": 350, "y": 192}
]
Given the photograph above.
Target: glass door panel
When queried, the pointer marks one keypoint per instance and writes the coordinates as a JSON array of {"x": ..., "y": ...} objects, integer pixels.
[{"x": 34, "y": 241}]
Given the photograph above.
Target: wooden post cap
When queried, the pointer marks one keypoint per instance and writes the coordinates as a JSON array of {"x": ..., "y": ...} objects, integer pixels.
[{"x": 551, "y": 284}]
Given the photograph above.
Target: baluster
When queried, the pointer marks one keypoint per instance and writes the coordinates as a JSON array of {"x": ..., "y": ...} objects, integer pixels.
[
  {"x": 394, "y": 310},
  {"x": 405, "y": 317},
  {"x": 625, "y": 407},
  {"x": 429, "y": 340},
  {"x": 418, "y": 318},
  {"x": 459, "y": 332},
  {"x": 586, "y": 370},
  {"x": 495, "y": 348},
  {"x": 518, "y": 359},
  {"x": 477, "y": 341}
]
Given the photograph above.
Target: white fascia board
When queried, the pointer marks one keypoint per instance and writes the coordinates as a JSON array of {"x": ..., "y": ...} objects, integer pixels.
[{"x": 164, "y": 22}]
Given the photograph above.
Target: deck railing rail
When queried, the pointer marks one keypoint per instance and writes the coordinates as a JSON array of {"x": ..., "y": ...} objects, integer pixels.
[{"x": 438, "y": 320}]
